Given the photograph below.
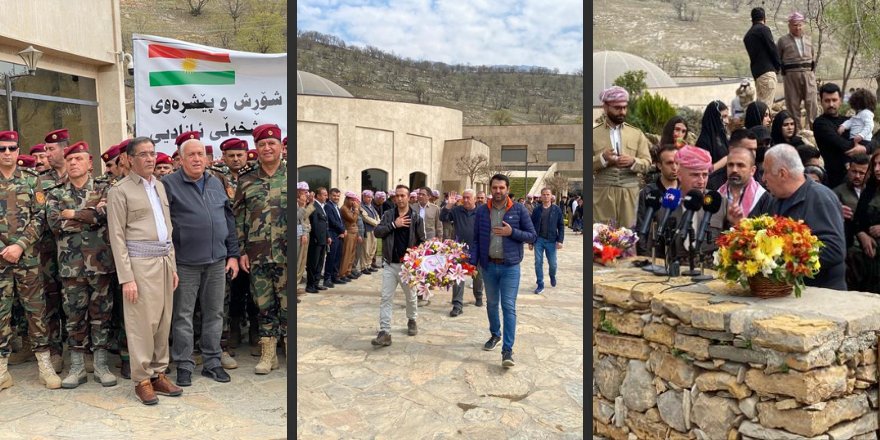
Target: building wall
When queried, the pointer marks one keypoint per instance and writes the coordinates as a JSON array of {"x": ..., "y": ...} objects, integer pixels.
[
  {"x": 51, "y": 26},
  {"x": 349, "y": 135},
  {"x": 454, "y": 150},
  {"x": 537, "y": 138}
]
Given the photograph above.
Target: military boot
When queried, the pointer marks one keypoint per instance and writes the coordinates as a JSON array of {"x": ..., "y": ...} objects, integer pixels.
[
  {"x": 57, "y": 362},
  {"x": 268, "y": 358},
  {"x": 77, "y": 374},
  {"x": 5, "y": 377},
  {"x": 23, "y": 354},
  {"x": 102, "y": 371},
  {"x": 48, "y": 376},
  {"x": 227, "y": 362}
]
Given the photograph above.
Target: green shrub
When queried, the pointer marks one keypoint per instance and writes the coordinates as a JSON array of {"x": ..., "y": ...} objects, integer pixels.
[{"x": 651, "y": 112}]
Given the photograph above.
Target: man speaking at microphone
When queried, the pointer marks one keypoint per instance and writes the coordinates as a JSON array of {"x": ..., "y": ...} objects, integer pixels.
[{"x": 694, "y": 167}]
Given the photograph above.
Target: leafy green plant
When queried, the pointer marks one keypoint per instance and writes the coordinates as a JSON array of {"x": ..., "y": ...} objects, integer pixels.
[
  {"x": 633, "y": 81},
  {"x": 651, "y": 112}
]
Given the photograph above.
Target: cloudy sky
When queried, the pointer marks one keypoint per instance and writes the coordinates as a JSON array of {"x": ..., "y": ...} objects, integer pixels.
[{"x": 512, "y": 32}]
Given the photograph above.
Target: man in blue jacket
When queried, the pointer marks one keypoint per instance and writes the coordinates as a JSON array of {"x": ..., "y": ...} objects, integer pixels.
[
  {"x": 500, "y": 229},
  {"x": 337, "y": 234},
  {"x": 550, "y": 229}
]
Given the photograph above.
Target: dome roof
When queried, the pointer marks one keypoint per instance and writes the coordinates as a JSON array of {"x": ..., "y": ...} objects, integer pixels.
[
  {"x": 311, "y": 84},
  {"x": 609, "y": 65}
]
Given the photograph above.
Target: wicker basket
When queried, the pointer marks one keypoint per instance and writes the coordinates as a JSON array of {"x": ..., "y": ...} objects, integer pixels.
[{"x": 763, "y": 287}]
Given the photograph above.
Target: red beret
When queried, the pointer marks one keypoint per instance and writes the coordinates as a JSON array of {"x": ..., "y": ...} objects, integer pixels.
[
  {"x": 233, "y": 144},
  {"x": 27, "y": 161},
  {"x": 111, "y": 153},
  {"x": 284, "y": 141},
  {"x": 266, "y": 131},
  {"x": 79, "y": 147},
  {"x": 162, "y": 158},
  {"x": 209, "y": 149},
  {"x": 57, "y": 136},
  {"x": 175, "y": 155},
  {"x": 187, "y": 136},
  {"x": 39, "y": 148},
  {"x": 6, "y": 136},
  {"x": 252, "y": 155},
  {"x": 123, "y": 146}
]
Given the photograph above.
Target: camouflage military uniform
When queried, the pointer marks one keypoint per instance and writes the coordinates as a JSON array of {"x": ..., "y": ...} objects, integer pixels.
[
  {"x": 21, "y": 220},
  {"x": 261, "y": 219},
  {"x": 49, "y": 271},
  {"x": 85, "y": 262}
]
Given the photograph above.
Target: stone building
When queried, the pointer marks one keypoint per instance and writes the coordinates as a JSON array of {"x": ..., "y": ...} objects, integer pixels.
[{"x": 78, "y": 83}]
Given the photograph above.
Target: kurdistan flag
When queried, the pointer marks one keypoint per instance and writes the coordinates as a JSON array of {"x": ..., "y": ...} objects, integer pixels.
[{"x": 222, "y": 93}]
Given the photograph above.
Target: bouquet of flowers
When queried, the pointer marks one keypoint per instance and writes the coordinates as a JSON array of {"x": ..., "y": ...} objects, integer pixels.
[
  {"x": 610, "y": 243},
  {"x": 778, "y": 248},
  {"x": 436, "y": 264}
]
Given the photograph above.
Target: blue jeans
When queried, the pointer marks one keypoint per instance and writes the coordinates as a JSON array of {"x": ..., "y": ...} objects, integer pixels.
[
  {"x": 541, "y": 246},
  {"x": 502, "y": 286}
]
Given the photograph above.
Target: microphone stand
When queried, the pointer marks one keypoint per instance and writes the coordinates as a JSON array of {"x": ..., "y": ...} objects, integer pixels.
[
  {"x": 652, "y": 242},
  {"x": 670, "y": 262},
  {"x": 691, "y": 252},
  {"x": 702, "y": 274}
]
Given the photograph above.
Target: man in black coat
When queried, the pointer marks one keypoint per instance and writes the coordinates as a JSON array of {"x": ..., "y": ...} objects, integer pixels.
[
  {"x": 337, "y": 233},
  {"x": 795, "y": 196},
  {"x": 836, "y": 150},
  {"x": 319, "y": 239},
  {"x": 764, "y": 57}
]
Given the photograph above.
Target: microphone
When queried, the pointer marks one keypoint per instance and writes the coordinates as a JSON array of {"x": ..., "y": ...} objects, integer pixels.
[
  {"x": 670, "y": 202},
  {"x": 652, "y": 203},
  {"x": 692, "y": 202},
  {"x": 711, "y": 205}
]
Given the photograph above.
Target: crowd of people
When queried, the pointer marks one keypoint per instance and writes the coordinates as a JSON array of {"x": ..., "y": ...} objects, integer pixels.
[
  {"x": 338, "y": 235},
  {"x": 149, "y": 259},
  {"x": 822, "y": 168}
]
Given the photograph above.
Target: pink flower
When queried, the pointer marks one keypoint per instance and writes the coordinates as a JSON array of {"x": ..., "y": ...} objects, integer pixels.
[{"x": 457, "y": 274}]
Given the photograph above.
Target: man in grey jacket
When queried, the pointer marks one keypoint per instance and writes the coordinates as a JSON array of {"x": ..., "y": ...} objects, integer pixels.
[
  {"x": 462, "y": 219},
  {"x": 400, "y": 229},
  {"x": 206, "y": 247}
]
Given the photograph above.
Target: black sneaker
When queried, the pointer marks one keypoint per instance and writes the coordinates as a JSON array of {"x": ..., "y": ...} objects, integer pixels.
[
  {"x": 216, "y": 373},
  {"x": 383, "y": 339},
  {"x": 491, "y": 343},
  {"x": 184, "y": 377},
  {"x": 411, "y": 328},
  {"x": 479, "y": 302},
  {"x": 507, "y": 359},
  {"x": 455, "y": 311}
]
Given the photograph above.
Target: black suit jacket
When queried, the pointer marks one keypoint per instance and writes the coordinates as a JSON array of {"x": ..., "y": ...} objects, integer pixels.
[
  {"x": 763, "y": 54},
  {"x": 320, "y": 230},
  {"x": 336, "y": 225},
  {"x": 833, "y": 147}
]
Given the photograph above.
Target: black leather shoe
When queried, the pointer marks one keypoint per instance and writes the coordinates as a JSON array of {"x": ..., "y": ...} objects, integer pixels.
[
  {"x": 340, "y": 281},
  {"x": 327, "y": 285},
  {"x": 125, "y": 369},
  {"x": 455, "y": 311},
  {"x": 217, "y": 373},
  {"x": 311, "y": 289},
  {"x": 184, "y": 378}
]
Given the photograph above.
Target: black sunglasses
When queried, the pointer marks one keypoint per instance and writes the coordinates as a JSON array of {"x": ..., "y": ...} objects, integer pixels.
[{"x": 12, "y": 148}]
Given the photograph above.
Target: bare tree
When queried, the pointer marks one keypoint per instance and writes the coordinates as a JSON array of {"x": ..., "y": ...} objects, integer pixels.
[
  {"x": 547, "y": 113},
  {"x": 196, "y": 6},
  {"x": 472, "y": 167},
  {"x": 558, "y": 184},
  {"x": 235, "y": 8}
]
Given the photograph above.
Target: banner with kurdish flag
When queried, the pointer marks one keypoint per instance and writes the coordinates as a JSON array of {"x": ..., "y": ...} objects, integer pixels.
[{"x": 180, "y": 86}]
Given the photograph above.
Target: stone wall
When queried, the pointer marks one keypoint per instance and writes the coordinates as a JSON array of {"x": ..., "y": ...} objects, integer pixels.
[{"x": 708, "y": 361}]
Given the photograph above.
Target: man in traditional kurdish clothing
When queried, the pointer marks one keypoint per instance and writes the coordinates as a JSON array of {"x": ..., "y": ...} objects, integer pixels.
[
  {"x": 798, "y": 67},
  {"x": 620, "y": 153}
]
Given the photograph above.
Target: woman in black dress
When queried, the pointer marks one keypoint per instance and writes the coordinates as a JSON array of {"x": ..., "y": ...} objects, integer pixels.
[
  {"x": 713, "y": 133},
  {"x": 783, "y": 130}
]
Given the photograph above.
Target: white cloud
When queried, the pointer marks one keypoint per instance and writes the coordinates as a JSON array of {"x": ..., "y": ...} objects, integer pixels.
[{"x": 515, "y": 32}]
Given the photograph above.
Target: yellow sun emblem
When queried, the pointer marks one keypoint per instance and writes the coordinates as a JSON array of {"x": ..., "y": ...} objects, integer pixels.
[
  {"x": 189, "y": 64},
  {"x": 40, "y": 197}
]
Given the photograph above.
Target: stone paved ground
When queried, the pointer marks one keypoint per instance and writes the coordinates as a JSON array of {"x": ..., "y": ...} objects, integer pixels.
[
  {"x": 248, "y": 407},
  {"x": 441, "y": 384}
]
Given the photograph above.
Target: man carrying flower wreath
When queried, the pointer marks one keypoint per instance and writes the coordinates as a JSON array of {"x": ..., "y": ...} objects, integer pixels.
[
  {"x": 500, "y": 229},
  {"x": 400, "y": 229}
]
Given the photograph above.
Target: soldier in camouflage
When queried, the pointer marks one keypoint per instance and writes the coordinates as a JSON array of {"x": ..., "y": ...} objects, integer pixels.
[
  {"x": 21, "y": 220},
  {"x": 78, "y": 220},
  {"x": 239, "y": 299},
  {"x": 56, "y": 142},
  {"x": 261, "y": 218}
]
